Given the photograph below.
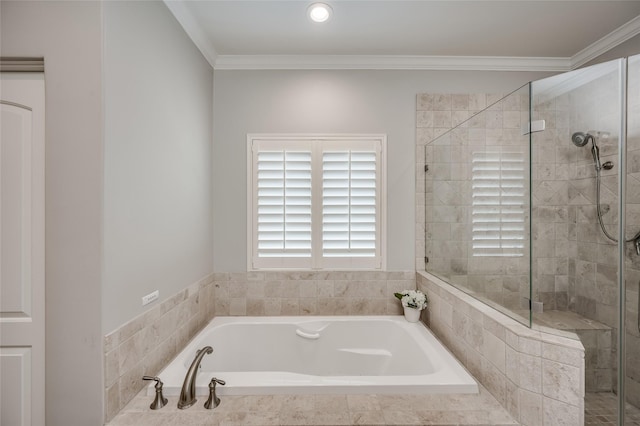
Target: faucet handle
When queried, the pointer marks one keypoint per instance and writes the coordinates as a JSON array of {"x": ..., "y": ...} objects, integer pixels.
[
  {"x": 160, "y": 401},
  {"x": 213, "y": 400}
]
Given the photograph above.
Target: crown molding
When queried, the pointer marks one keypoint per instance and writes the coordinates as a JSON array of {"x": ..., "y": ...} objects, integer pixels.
[
  {"x": 184, "y": 17},
  {"x": 557, "y": 85},
  {"x": 390, "y": 62},
  {"x": 606, "y": 43},
  {"x": 395, "y": 62}
]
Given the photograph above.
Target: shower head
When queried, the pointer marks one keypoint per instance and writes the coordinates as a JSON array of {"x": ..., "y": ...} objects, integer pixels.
[{"x": 580, "y": 139}]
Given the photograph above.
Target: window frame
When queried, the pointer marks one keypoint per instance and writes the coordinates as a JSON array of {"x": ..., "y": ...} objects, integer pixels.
[{"x": 317, "y": 260}]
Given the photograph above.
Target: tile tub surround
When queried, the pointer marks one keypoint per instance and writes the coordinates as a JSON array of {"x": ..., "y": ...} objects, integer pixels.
[
  {"x": 144, "y": 345},
  {"x": 454, "y": 409},
  {"x": 274, "y": 293},
  {"x": 147, "y": 343},
  {"x": 538, "y": 377}
]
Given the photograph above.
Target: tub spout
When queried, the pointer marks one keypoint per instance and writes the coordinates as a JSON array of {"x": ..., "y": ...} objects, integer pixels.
[{"x": 188, "y": 393}]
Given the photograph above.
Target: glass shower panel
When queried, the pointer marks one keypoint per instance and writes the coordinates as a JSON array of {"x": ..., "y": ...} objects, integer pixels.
[
  {"x": 575, "y": 255},
  {"x": 631, "y": 374},
  {"x": 521, "y": 210},
  {"x": 477, "y": 219}
]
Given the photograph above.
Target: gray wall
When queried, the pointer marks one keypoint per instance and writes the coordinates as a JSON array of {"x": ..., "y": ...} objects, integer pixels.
[
  {"x": 68, "y": 35},
  {"x": 157, "y": 190},
  {"x": 328, "y": 102},
  {"x": 126, "y": 214}
]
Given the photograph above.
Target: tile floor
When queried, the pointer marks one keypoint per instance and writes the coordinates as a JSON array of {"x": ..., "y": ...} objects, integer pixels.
[
  {"x": 601, "y": 408},
  {"x": 481, "y": 409},
  {"x": 457, "y": 409}
]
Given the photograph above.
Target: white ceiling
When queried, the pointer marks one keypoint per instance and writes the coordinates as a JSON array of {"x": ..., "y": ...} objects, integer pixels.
[{"x": 444, "y": 34}]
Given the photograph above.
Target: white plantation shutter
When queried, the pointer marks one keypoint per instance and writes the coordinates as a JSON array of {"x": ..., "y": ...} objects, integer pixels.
[
  {"x": 498, "y": 207},
  {"x": 316, "y": 203},
  {"x": 349, "y": 204},
  {"x": 284, "y": 204}
]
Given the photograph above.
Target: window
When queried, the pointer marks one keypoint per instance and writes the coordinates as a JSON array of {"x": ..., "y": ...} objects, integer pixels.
[
  {"x": 316, "y": 202},
  {"x": 498, "y": 209}
]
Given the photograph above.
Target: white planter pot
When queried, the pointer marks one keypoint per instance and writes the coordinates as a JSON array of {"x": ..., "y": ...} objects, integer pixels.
[{"x": 412, "y": 314}]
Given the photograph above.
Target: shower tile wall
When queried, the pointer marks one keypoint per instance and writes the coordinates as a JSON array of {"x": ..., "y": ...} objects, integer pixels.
[
  {"x": 443, "y": 199},
  {"x": 591, "y": 288},
  {"x": 585, "y": 258},
  {"x": 574, "y": 265},
  {"x": 551, "y": 230}
]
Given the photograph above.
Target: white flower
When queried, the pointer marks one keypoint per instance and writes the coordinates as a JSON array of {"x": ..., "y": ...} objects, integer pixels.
[{"x": 412, "y": 299}]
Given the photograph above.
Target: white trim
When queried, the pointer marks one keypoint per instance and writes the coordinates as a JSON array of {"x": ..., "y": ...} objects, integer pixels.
[
  {"x": 195, "y": 32},
  {"x": 383, "y": 203},
  {"x": 390, "y": 62},
  {"x": 560, "y": 84},
  {"x": 395, "y": 62},
  {"x": 251, "y": 183},
  {"x": 606, "y": 43},
  {"x": 316, "y": 213}
]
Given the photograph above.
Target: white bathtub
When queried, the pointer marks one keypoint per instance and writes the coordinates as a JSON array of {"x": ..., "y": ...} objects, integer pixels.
[{"x": 348, "y": 354}]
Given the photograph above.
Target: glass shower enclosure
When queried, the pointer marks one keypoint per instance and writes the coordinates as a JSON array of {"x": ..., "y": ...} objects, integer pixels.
[
  {"x": 522, "y": 210},
  {"x": 477, "y": 205}
]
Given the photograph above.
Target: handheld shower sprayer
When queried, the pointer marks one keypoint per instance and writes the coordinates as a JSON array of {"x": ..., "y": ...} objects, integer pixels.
[
  {"x": 580, "y": 139},
  {"x": 595, "y": 151}
]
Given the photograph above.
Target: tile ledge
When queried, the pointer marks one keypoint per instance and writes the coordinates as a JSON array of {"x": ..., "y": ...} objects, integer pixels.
[{"x": 537, "y": 332}]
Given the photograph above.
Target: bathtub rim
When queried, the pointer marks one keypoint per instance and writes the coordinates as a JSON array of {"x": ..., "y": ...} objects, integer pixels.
[{"x": 452, "y": 369}]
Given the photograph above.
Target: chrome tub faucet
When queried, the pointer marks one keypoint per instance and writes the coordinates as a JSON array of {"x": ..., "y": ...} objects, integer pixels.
[{"x": 188, "y": 393}]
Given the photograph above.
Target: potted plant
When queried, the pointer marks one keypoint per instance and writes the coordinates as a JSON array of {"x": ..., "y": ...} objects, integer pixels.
[{"x": 413, "y": 302}]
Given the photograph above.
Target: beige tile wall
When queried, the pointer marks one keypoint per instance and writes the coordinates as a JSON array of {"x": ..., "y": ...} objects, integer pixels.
[
  {"x": 444, "y": 192},
  {"x": 310, "y": 293},
  {"x": 584, "y": 262},
  {"x": 554, "y": 202},
  {"x": 538, "y": 377},
  {"x": 144, "y": 345}
]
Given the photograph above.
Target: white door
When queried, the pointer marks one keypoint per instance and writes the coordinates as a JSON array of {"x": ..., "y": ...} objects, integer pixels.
[{"x": 22, "y": 249}]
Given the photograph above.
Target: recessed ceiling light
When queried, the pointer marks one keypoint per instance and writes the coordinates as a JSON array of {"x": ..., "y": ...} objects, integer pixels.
[{"x": 319, "y": 12}]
